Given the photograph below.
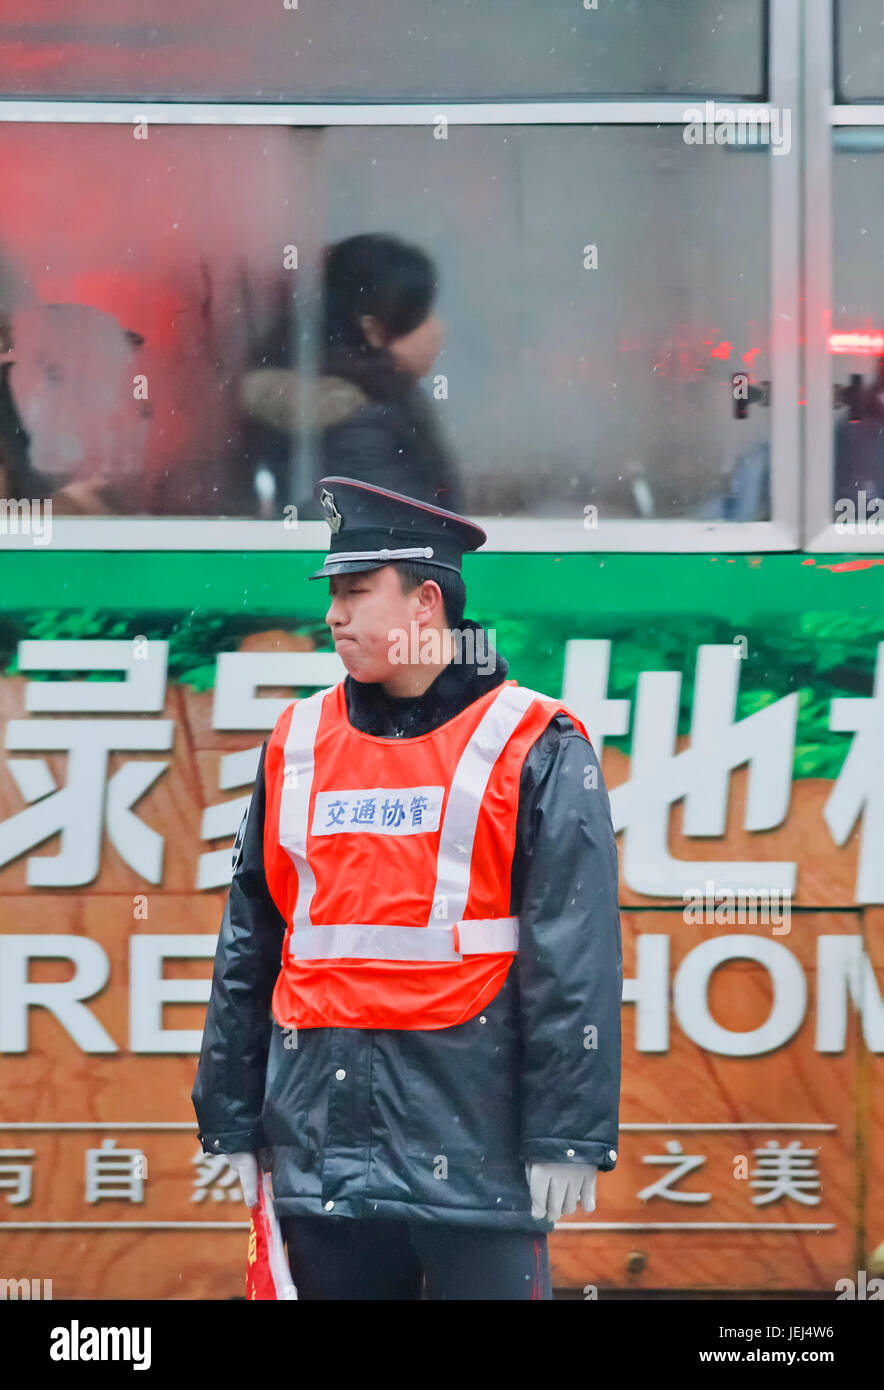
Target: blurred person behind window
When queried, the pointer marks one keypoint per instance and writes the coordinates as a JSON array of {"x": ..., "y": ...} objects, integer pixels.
[
  {"x": 71, "y": 428},
  {"x": 380, "y": 337}
]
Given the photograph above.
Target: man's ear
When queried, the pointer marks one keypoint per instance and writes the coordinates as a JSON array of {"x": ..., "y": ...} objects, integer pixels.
[
  {"x": 431, "y": 595},
  {"x": 372, "y": 330}
]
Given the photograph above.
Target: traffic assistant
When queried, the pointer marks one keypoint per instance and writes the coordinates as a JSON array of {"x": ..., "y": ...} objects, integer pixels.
[{"x": 414, "y": 1022}]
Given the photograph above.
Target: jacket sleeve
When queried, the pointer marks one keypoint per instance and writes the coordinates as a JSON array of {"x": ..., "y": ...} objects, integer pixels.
[
  {"x": 228, "y": 1093},
  {"x": 569, "y": 962}
]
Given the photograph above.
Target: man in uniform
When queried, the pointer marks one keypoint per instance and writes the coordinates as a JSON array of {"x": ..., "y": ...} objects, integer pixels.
[{"x": 414, "y": 1022}]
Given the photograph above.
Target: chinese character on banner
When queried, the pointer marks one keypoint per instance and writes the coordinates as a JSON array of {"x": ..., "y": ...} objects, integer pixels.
[
  {"x": 113, "y": 1172},
  {"x": 780, "y": 1172},
  {"x": 787, "y": 1172},
  {"x": 16, "y": 1177},
  {"x": 236, "y": 707},
  {"x": 859, "y": 788},
  {"x": 214, "y": 1179},
  {"x": 699, "y": 774},
  {"x": 215, "y": 868},
  {"x": 90, "y": 800},
  {"x": 680, "y": 1165}
]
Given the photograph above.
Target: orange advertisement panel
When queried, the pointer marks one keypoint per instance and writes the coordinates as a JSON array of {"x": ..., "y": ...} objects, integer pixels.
[{"x": 752, "y": 1104}]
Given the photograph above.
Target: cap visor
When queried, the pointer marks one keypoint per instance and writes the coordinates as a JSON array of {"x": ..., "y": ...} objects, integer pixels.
[{"x": 332, "y": 567}]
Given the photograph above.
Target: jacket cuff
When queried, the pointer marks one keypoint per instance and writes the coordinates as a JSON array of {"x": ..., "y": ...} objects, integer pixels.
[
  {"x": 235, "y": 1142},
  {"x": 569, "y": 1151}
]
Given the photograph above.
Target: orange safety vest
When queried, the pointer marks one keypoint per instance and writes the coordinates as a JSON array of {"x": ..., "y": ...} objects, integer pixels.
[{"x": 390, "y": 860}]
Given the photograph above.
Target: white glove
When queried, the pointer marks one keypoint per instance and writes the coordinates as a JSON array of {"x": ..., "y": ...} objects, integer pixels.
[
  {"x": 246, "y": 1168},
  {"x": 556, "y": 1188}
]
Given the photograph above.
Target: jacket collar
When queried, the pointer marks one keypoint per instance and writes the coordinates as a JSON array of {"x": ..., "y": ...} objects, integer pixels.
[
  {"x": 459, "y": 684},
  {"x": 372, "y": 370}
]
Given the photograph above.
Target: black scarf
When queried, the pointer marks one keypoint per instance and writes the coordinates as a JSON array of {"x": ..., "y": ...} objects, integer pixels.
[
  {"x": 373, "y": 711},
  {"x": 373, "y": 370}
]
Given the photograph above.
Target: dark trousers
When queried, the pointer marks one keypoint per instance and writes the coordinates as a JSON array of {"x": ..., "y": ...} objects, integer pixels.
[{"x": 340, "y": 1257}]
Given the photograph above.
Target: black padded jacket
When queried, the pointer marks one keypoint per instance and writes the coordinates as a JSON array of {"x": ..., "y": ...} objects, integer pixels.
[{"x": 434, "y": 1125}]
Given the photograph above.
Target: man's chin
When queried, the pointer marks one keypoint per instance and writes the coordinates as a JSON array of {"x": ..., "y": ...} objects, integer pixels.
[{"x": 355, "y": 664}]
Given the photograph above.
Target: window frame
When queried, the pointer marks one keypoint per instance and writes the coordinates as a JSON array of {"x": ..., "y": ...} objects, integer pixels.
[
  {"x": 823, "y": 116},
  {"x": 524, "y": 534}
]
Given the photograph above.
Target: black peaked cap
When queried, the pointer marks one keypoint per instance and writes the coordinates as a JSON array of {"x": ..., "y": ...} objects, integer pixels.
[{"x": 372, "y": 526}]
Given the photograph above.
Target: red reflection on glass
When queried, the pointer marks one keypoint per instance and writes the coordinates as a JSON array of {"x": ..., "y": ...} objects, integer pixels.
[{"x": 857, "y": 344}]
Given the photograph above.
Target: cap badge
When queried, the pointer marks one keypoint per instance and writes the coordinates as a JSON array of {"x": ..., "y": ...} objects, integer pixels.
[{"x": 332, "y": 515}]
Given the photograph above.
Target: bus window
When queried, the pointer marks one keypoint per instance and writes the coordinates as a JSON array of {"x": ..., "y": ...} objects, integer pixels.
[
  {"x": 601, "y": 288},
  {"x": 859, "y": 51},
  {"x": 856, "y": 342},
  {"x": 140, "y": 279},
  {"x": 389, "y": 50}
]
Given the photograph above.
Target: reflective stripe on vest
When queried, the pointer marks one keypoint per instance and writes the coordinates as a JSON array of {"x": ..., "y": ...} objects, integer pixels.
[
  {"x": 364, "y": 941},
  {"x": 465, "y": 796},
  {"x": 295, "y": 801}
]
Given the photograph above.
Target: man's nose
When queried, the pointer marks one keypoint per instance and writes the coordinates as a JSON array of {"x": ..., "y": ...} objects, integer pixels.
[{"x": 334, "y": 614}]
